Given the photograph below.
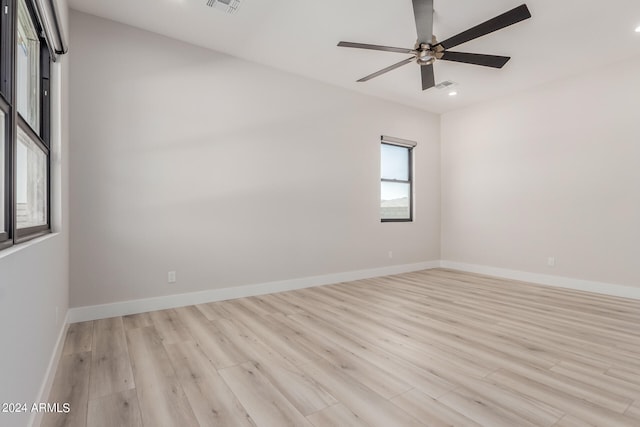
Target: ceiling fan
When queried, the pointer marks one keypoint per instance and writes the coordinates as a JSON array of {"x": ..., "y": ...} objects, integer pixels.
[{"x": 427, "y": 49}]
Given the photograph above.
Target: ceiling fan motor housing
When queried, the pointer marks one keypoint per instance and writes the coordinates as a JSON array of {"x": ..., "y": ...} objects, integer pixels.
[{"x": 424, "y": 54}]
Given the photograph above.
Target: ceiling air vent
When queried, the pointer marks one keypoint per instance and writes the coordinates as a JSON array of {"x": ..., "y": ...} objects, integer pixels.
[
  {"x": 445, "y": 84},
  {"x": 229, "y": 6}
]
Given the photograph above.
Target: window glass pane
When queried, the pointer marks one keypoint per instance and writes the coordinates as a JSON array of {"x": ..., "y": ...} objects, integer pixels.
[
  {"x": 394, "y": 200},
  {"x": 3, "y": 195},
  {"x": 28, "y": 68},
  {"x": 394, "y": 162},
  {"x": 31, "y": 183}
]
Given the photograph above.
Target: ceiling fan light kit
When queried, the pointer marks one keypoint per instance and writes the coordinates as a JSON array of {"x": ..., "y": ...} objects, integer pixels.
[{"x": 427, "y": 49}]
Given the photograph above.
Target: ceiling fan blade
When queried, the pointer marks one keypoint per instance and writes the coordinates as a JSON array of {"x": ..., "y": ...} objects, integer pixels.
[
  {"x": 386, "y": 70},
  {"x": 423, "y": 13},
  {"x": 476, "y": 59},
  {"x": 428, "y": 77},
  {"x": 375, "y": 47},
  {"x": 511, "y": 17}
]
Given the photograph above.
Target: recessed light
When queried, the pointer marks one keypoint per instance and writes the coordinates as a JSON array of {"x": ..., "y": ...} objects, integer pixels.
[
  {"x": 638, "y": 29},
  {"x": 453, "y": 93}
]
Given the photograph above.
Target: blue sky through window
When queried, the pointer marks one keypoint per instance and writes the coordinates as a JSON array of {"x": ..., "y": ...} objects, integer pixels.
[{"x": 394, "y": 164}]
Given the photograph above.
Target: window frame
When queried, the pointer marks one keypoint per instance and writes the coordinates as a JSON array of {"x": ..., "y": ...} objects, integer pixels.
[
  {"x": 6, "y": 50},
  {"x": 6, "y": 204},
  {"x": 27, "y": 233},
  {"x": 409, "y": 146},
  {"x": 6, "y": 96},
  {"x": 14, "y": 120},
  {"x": 37, "y": 29}
]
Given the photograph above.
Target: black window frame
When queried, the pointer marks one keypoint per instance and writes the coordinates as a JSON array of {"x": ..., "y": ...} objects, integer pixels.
[
  {"x": 409, "y": 146},
  {"x": 6, "y": 96},
  {"x": 14, "y": 121},
  {"x": 5, "y": 236}
]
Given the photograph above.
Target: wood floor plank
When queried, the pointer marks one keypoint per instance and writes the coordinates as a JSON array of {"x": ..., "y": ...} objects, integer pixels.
[
  {"x": 305, "y": 394},
  {"x": 149, "y": 360},
  {"x": 297, "y": 337},
  {"x": 160, "y": 395},
  {"x": 281, "y": 306},
  {"x": 444, "y": 331},
  {"x": 490, "y": 404},
  {"x": 449, "y": 369},
  {"x": 385, "y": 383},
  {"x": 435, "y": 347},
  {"x": 571, "y": 421},
  {"x": 169, "y": 326},
  {"x": 523, "y": 407},
  {"x": 294, "y": 354},
  {"x": 165, "y": 406},
  {"x": 431, "y": 411},
  {"x": 337, "y": 415},
  {"x": 598, "y": 380},
  {"x": 110, "y": 364},
  {"x": 213, "y": 403},
  {"x": 287, "y": 304},
  {"x": 119, "y": 409},
  {"x": 214, "y": 310},
  {"x": 477, "y": 408},
  {"x": 422, "y": 379},
  {"x": 140, "y": 320},
  {"x": 610, "y": 399},
  {"x": 208, "y": 312},
  {"x": 79, "y": 338},
  {"x": 71, "y": 385},
  {"x": 369, "y": 406},
  {"x": 566, "y": 346},
  {"x": 221, "y": 352},
  {"x": 626, "y": 375},
  {"x": 264, "y": 403},
  {"x": 634, "y": 411},
  {"x": 560, "y": 399},
  {"x": 257, "y": 306},
  {"x": 396, "y": 339}
]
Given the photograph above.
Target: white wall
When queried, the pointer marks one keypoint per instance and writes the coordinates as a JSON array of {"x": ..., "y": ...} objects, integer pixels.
[
  {"x": 553, "y": 172},
  {"x": 34, "y": 277},
  {"x": 228, "y": 172}
]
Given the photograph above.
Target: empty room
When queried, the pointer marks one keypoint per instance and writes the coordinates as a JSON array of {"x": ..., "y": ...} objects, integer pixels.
[{"x": 309, "y": 214}]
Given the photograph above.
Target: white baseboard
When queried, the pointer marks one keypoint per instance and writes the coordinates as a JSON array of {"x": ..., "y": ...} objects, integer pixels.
[
  {"x": 45, "y": 389},
  {"x": 545, "y": 279},
  {"x": 94, "y": 312},
  {"x": 123, "y": 308}
]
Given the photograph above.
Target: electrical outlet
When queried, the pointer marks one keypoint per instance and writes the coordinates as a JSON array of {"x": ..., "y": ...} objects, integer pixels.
[
  {"x": 551, "y": 261},
  {"x": 390, "y": 254},
  {"x": 171, "y": 277}
]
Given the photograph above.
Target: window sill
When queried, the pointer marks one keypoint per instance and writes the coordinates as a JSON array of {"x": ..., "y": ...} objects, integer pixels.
[{"x": 18, "y": 247}]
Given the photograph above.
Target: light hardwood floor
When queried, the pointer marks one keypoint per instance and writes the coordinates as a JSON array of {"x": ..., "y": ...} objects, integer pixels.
[{"x": 432, "y": 348}]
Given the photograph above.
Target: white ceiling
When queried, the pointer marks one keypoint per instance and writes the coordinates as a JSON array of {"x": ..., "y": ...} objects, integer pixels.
[{"x": 562, "y": 38}]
